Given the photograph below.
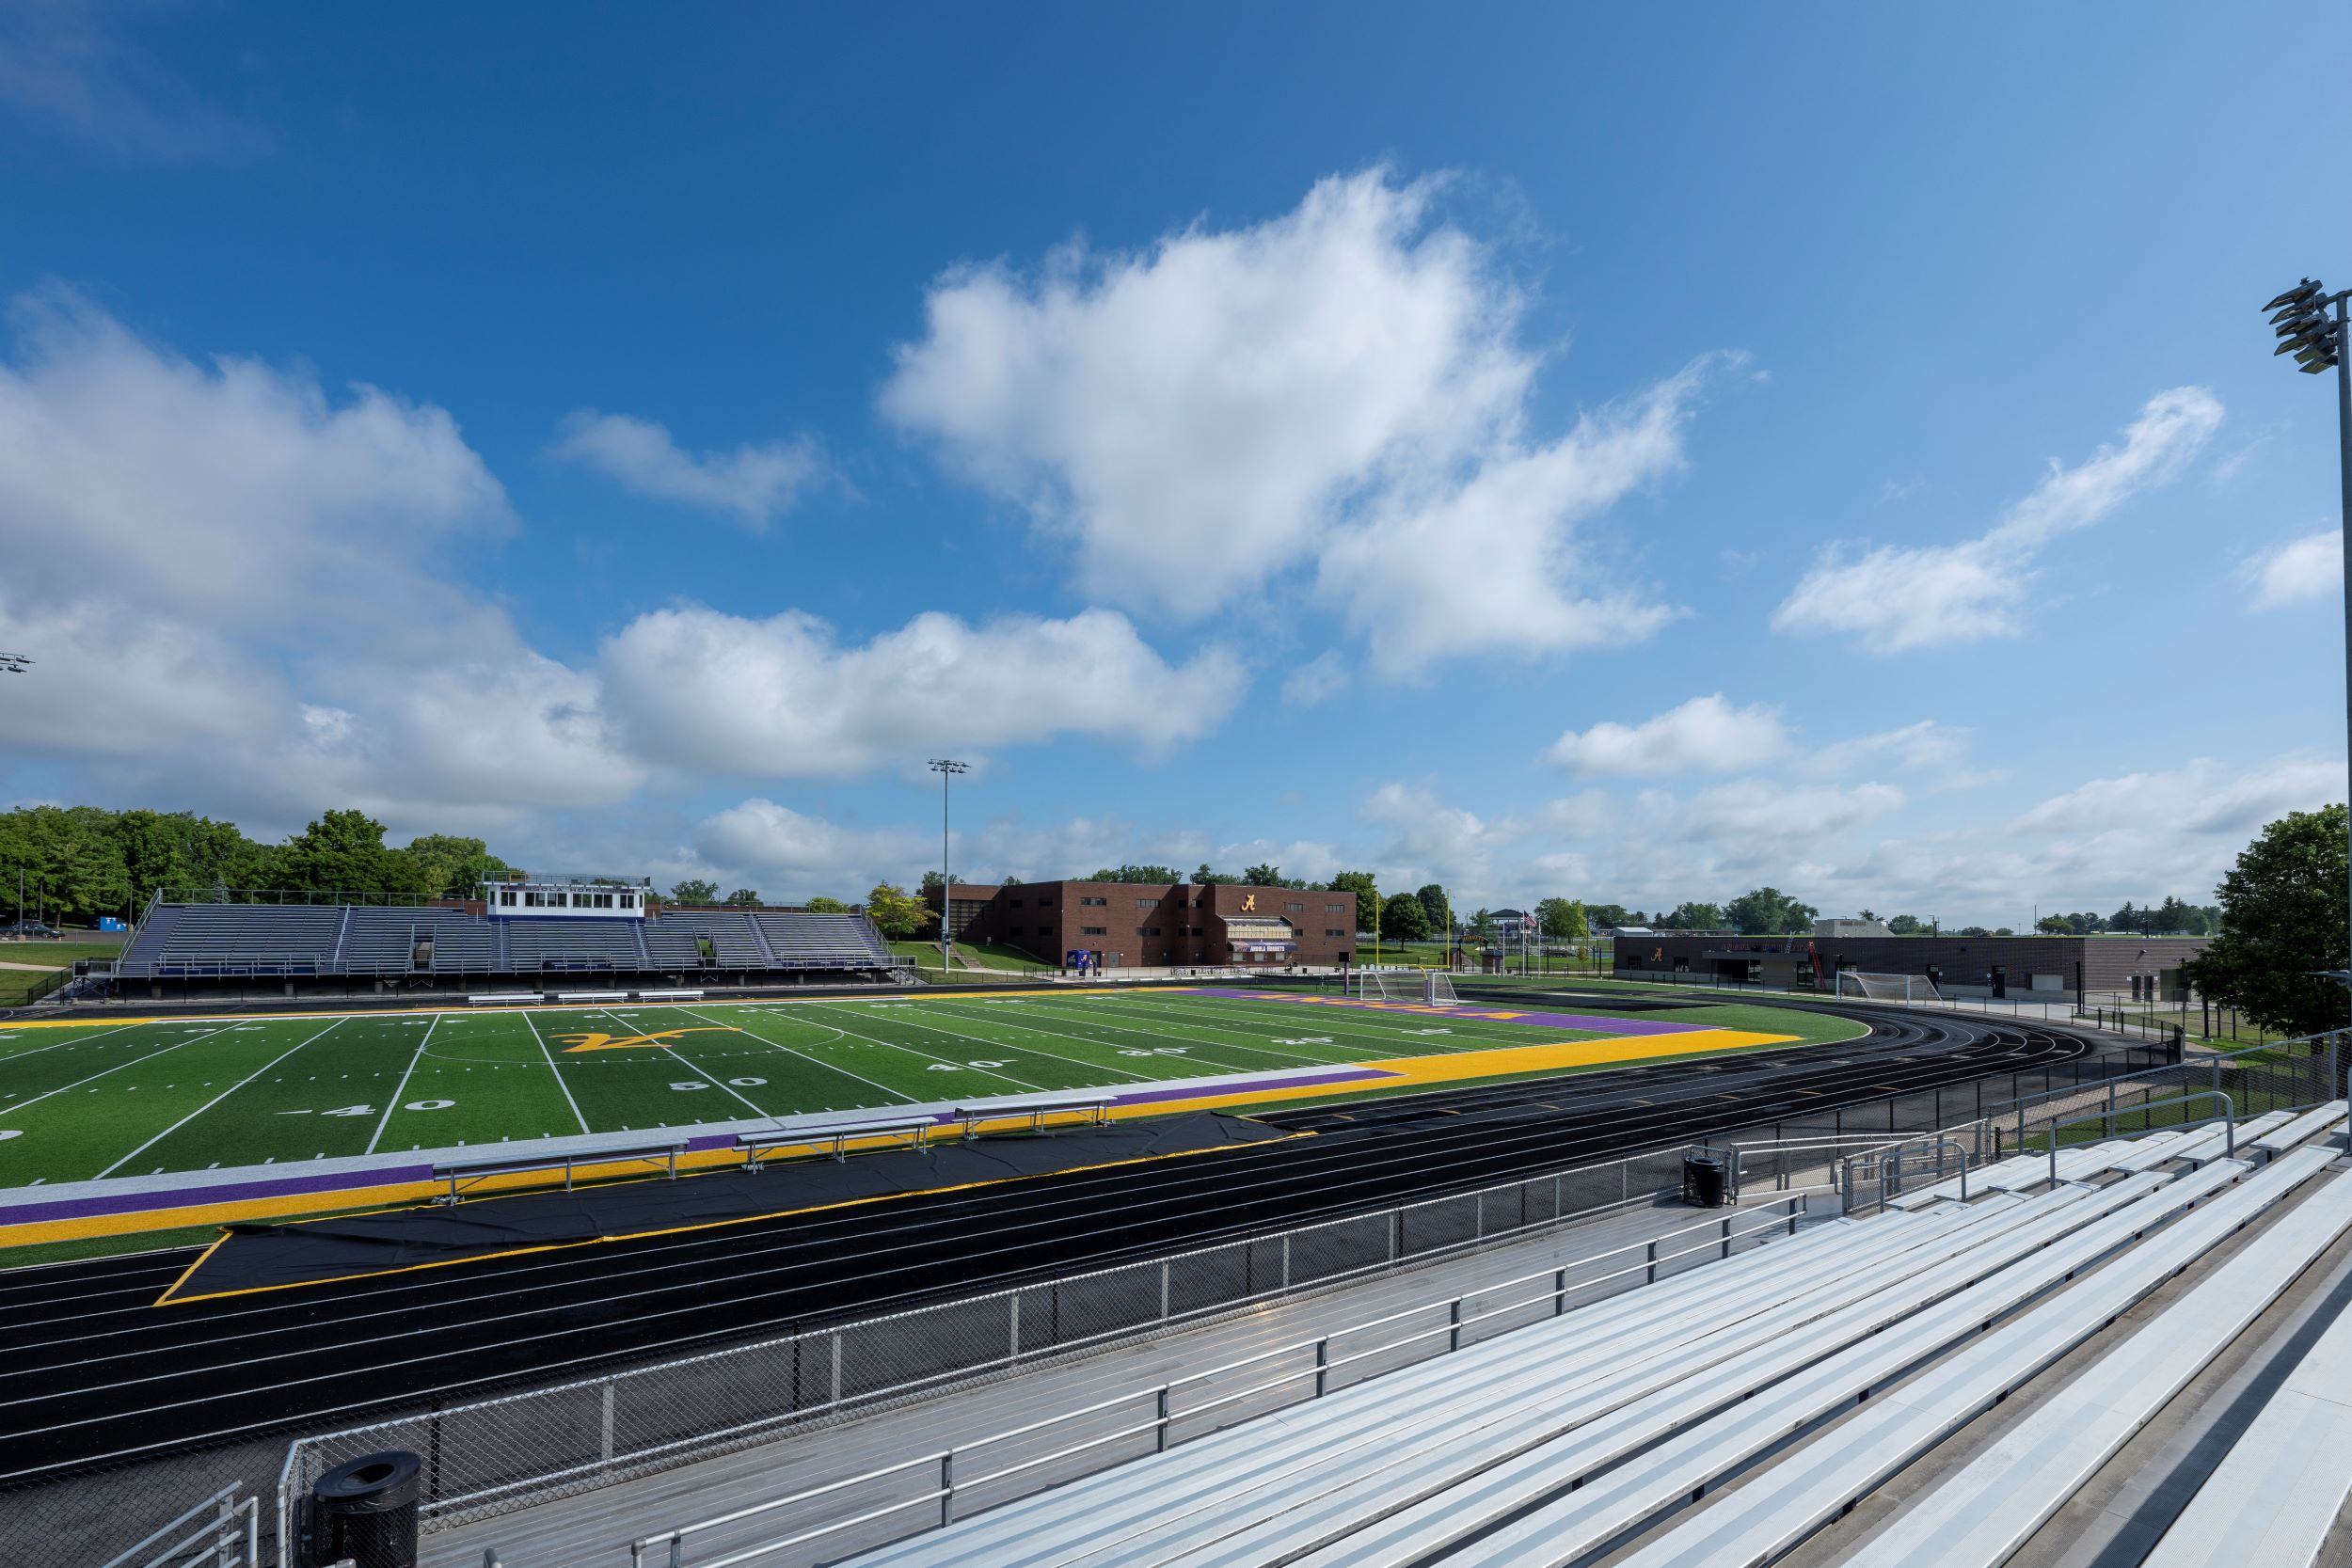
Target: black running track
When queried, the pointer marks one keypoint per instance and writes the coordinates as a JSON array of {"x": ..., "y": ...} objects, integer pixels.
[{"x": 91, "y": 1372}]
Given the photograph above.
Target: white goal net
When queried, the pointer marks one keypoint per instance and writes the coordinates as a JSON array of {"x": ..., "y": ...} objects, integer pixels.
[
  {"x": 1421, "y": 987},
  {"x": 1886, "y": 988}
]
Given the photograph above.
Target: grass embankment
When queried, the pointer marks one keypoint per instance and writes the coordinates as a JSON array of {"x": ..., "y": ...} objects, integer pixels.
[
  {"x": 924, "y": 957},
  {"x": 44, "y": 957}
]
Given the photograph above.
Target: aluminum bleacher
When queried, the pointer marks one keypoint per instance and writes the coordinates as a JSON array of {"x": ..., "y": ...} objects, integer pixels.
[
  {"x": 675, "y": 940},
  {"x": 385, "y": 940},
  {"x": 546, "y": 946},
  {"x": 200, "y": 940},
  {"x": 1808, "y": 1372},
  {"x": 823, "y": 942}
]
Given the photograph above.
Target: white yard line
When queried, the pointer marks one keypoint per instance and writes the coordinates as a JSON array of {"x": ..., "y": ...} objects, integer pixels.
[
  {"x": 1267, "y": 1048},
  {"x": 12, "y": 1109},
  {"x": 84, "y": 1039},
  {"x": 402, "y": 1088},
  {"x": 895, "y": 1096},
  {"x": 1360, "y": 1024},
  {"x": 218, "y": 1098},
  {"x": 679, "y": 1055},
  {"x": 894, "y": 1045},
  {"x": 1030, "y": 1028},
  {"x": 554, "y": 1071}
]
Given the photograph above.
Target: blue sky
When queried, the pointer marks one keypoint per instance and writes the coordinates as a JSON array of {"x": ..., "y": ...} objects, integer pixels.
[{"x": 1625, "y": 456}]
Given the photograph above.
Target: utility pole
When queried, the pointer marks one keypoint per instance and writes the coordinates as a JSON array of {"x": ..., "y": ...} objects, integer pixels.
[
  {"x": 2300, "y": 318},
  {"x": 947, "y": 769}
]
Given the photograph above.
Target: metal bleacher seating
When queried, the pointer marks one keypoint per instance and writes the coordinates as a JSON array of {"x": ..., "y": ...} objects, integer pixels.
[
  {"x": 574, "y": 945},
  {"x": 237, "y": 939},
  {"x": 675, "y": 940},
  {"x": 823, "y": 942},
  {"x": 1811, "y": 1370},
  {"x": 385, "y": 942}
]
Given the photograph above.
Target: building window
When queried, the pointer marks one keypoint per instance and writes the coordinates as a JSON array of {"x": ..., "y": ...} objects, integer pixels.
[
  {"x": 1295, "y": 908},
  {"x": 1147, "y": 930},
  {"x": 1093, "y": 902},
  {"x": 1093, "y": 931},
  {"x": 1329, "y": 931},
  {"x": 1335, "y": 909}
]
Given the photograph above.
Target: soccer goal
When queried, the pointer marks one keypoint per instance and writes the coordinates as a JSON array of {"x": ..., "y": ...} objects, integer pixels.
[
  {"x": 1886, "y": 988},
  {"x": 1421, "y": 987}
]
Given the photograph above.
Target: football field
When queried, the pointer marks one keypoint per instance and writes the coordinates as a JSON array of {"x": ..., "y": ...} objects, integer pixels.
[{"x": 139, "y": 1098}]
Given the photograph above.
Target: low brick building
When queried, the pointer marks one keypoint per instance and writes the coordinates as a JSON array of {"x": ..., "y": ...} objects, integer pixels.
[
  {"x": 1132, "y": 924},
  {"x": 2056, "y": 968}
]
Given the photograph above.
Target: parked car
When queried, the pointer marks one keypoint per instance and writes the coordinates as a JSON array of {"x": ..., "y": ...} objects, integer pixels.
[{"x": 29, "y": 929}]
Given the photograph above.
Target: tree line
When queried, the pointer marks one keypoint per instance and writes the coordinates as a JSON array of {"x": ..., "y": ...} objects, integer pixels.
[{"x": 78, "y": 862}]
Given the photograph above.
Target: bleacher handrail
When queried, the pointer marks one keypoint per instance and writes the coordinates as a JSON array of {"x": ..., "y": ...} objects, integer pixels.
[{"x": 1723, "y": 1232}]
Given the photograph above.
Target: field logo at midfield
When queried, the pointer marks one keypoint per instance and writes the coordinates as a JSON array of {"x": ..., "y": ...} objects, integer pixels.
[{"x": 622, "y": 1043}]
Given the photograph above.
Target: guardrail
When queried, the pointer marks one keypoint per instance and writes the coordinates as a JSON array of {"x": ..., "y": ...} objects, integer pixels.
[
  {"x": 1319, "y": 1362},
  {"x": 1886, "y": 1167},
  {"x": 211, "y": 1533}
]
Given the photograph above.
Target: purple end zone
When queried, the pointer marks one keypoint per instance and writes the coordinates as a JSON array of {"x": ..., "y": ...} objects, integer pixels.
[{"x": 1584, "y": 1022}]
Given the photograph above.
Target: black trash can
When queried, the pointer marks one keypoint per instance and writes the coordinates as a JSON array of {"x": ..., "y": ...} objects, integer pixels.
[
  {"x": 367, "y": 1511},
  {"x": 1703, "y": 1180}
]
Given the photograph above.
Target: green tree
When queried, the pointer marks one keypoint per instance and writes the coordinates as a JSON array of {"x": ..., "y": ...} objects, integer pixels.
[
  {"x": 694, "y": 889},
  {"x": 822, "y": 905},
  {"x": 1138, "y": 874},
  {"x": 932, "y": 879},
  {"x": 1367, "y": 894},
  {"x": 1689, "y": 916},
  {"x": 1906, "y": 926},
  {"x": 1563, "y": 920},
  {"x": 896, "y": 914},
  {"x": 2282, "y": 919},
  {"x": 1768, "y": 912},
  {"x": 1262, "y": 875},
  {"x": 1433, "y": 904},
  {"x": 342, "y": 851},
  {"x": 452, "y": 867},
  {"x": 1405, "y": 918},
  {"x": 743, "y": 899},
  {"x": 1207, "y": 878}
]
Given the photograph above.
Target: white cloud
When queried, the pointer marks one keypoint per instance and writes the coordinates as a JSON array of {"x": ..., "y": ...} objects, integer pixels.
[
  {"x": 1704, "y": 733},
  {"x": 755, "y": 481},
  {"x": 797, "y": 855},
  {"x": 1342, "y": 384},
  {"x": 1754, "y": 812},
  {"x": 782, "y": 697},
  {"x": 1896, "y": 597},
  {"x": 1318, "y": 680},
  {"x": 2201, "y": 795},
  {"x": 61, "y": 66},
  {"x": 1915, "y": 748},
  {"x": 1309, "y": 860},
  {"x": 2310, "y": 567}
]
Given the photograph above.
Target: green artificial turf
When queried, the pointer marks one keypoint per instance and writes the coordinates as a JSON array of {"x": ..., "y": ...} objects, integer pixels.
[{"x": 133, "y": 1099}]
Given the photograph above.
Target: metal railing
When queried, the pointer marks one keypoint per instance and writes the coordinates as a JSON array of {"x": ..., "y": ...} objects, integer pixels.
[
  {"x": 1882, "y": 1172},
  {"x": 2229, "y": 1117},
  {"x": 1306, "y": 1368},
  {"x": 2281, "y": 1075},
  {"x": 491, "y": 1456},
  {"x": 222, "y": 1531}
]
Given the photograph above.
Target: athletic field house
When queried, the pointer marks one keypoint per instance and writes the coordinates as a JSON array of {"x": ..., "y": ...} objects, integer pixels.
[{"x": 560, "y": 1232}]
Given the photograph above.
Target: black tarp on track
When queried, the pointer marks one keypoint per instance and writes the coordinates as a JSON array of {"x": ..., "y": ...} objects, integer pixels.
[{"x": 310, "y": 1252}]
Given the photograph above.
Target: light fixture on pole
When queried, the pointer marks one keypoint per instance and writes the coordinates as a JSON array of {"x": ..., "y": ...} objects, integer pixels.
[
  {"x": 947, "y": 769},
  {"x": 2319, "y": 341},
  {"x": 15, "y": 664}
]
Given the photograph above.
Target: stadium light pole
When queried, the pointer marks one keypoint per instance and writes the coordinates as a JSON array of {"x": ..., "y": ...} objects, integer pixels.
[
  {"x": 946, "y": 768},
  {"x": 2320, "y": 342}
]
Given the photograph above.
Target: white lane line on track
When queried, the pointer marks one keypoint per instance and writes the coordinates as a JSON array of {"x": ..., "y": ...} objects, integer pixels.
[
  {"x": 218, "y": 1098},
  {"x": 554, "y": 1071}
]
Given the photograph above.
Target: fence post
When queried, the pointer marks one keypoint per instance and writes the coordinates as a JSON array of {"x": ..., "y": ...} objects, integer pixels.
[
  {"x": 1559, "y": 1292},
  {"x": 1323, "y": 1363},
  {"x": 607, "y": 1421},
  {"x": 1453, "y": 1325},
  {"x": 1161, "y": 1419},
  {"x": 1726, "y": 1232},
  {"x": 947, "y": 1488},
  {"x": 1653, "y": 1263}
]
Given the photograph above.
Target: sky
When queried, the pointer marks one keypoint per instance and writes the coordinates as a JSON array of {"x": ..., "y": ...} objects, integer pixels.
[{"x": 1630, "y": 455}]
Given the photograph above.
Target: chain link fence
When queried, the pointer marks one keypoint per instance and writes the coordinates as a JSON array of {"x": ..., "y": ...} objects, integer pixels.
[{"x": 2287, "y": 1074}]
